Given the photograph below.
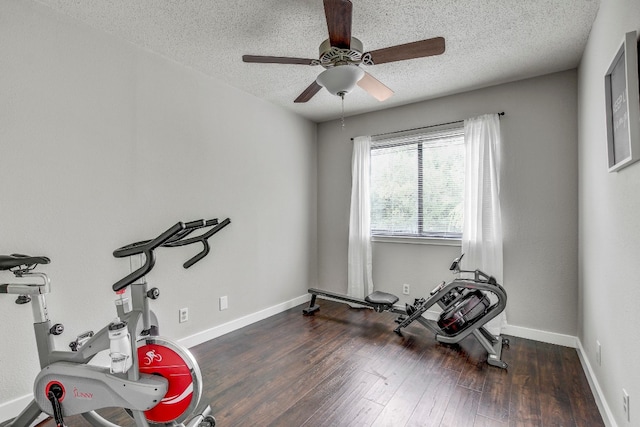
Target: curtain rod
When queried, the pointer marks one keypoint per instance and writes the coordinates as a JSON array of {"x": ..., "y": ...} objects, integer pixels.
[{"x": 423, "y": 127}]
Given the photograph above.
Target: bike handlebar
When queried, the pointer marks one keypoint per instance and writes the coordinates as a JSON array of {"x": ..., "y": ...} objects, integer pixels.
[
  {"x": 172, "y": 237},
  {"x": 147, "y": 245}
]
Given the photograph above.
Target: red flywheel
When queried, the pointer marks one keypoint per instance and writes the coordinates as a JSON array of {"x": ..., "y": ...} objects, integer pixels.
[{"x": 158, "y": 356}]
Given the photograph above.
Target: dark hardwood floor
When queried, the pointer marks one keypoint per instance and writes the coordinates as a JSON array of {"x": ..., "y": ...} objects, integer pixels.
[{"x": 346, "y": 367}]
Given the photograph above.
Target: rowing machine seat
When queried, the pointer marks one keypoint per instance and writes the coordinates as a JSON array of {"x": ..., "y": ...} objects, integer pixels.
[{"x": 381, "y": 298}]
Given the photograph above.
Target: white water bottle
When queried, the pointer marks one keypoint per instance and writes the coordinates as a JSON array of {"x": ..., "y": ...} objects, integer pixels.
[{"x": 119, "y": 346}]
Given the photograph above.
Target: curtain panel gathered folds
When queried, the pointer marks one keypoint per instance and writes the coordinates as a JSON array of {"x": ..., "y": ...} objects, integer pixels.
[
  {"x": 360, "y": 281},
  {"x": 482, "y": 229},
  {"x": 482, "y": 226}
]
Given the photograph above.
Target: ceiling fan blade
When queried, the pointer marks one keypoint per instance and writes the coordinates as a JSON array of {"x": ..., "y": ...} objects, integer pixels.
[
  {"x": 420, "y": 49},
  {"x": 308, "y": 92},
  {"x": 276, "y": 60},
  {"x": 374, "y": 87},
  {"x": 338, "y": 14}
]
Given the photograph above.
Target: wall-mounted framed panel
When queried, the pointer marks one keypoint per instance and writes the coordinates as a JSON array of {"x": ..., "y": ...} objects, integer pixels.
[{"x": 623, "y": 105}]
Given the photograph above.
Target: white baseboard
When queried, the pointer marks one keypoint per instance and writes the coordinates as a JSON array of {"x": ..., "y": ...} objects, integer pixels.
[
  {"x": 605, "y": 410},
  {"x": 247, "y": 320},
  {"x": 573, "y": 342},
  {"x": 542, "y": 336},
  {"x": 13, "y": 407}
]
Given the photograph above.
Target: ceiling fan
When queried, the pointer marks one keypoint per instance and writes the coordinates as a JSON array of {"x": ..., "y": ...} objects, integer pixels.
[{"x": 341, "y": 55}]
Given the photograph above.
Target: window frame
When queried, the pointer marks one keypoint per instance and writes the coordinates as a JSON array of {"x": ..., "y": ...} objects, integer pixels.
[{"x": 420, "y": 137}]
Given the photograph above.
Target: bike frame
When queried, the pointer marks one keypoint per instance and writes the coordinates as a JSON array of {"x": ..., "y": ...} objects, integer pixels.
[
  {"x": 140, "y": 321},
  {"x": 158, "y": 392}
]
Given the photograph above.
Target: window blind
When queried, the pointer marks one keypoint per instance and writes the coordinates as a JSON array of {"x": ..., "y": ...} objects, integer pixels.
[{"x": 417, "y": 183}]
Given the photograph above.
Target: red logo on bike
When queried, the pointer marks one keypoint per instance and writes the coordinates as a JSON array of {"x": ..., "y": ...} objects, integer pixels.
[
  {"x": 82, "y": 394},
  {"x": 152, "y": 356}
]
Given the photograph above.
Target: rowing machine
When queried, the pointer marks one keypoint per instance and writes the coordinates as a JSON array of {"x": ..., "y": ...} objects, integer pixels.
[{"x": 466, "y": 307}]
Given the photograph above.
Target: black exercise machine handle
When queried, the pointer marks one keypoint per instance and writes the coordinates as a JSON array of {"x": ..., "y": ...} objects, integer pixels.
[
  {"x": 148, "y": 245},
  {"x": 203, "y": 238},
  {"x": 174, "y": 236},
  {"x": 145, "y": 247}
]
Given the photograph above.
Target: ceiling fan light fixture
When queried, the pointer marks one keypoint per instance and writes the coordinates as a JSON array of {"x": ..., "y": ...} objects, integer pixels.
[{"x": 341, "y": 79}]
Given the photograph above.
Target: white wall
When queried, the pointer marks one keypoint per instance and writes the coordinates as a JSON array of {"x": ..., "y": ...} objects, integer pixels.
[
  {"x": 539, "y": 199},
  {"x": 609, "y": 225},
  {"x": 103, "y": 144}
]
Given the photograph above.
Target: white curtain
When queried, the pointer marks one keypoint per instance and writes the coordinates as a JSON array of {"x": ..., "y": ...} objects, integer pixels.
[
  {"x": 482, "y": 229},
  {"x": 360, "y": 283}
]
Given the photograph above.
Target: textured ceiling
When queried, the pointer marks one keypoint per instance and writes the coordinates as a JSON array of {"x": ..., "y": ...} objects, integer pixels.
[{"x": 487, "y": 42}]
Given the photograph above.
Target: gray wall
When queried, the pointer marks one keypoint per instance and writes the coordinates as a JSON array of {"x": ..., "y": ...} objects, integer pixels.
[
  {"x": 539, "y": 199},
  {"x": 609, "y": 225},
  {"x": 103, "y": 144}
]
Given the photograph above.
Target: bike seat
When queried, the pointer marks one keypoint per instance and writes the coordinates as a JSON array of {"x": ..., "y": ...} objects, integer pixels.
[
  {"x": 383, "y": 298},
  {"x": 8, "y": 262}
]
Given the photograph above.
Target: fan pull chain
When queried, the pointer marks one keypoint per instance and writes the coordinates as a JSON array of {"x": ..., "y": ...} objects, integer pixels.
[{"x": 342, "y": 115}]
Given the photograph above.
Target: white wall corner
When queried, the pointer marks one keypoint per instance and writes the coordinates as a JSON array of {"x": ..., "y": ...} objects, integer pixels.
[{"x": 598, "y": 395}]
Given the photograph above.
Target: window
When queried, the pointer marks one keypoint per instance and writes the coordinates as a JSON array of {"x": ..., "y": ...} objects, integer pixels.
[{"x": 417, "y": 184}]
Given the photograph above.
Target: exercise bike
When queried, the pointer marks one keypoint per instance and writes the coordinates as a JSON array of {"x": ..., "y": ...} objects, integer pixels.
[
  {"x": 157, "y": 381},
  {"x": 466, "y": 307}
]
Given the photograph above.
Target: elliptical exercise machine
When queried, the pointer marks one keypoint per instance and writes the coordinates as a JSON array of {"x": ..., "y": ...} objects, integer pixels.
[
  {"x": 466, "y": 307},
  {"x": 157, "y": 381}
]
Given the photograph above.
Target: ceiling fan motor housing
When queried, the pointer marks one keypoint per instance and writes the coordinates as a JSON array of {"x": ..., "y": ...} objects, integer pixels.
[{"x": 330, "y": 56}]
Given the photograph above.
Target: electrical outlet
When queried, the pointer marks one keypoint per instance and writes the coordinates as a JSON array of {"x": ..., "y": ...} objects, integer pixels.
[
  {"x": 598, "y": 353},
  {"x": 183, "y": 314},
  {"x": 406, "y": 289},
  {"x": 625, "y": 405},
  {"x": 224, "y": 303}
]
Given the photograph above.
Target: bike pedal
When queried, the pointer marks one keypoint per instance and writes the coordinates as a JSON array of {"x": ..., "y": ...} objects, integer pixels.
[{"x": 80, "y": 340}]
